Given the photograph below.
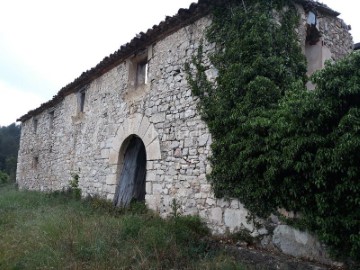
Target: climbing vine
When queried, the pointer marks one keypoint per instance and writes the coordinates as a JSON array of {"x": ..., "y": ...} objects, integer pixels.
[
  {"x": 258, "y": 59},
  {"x": 264, "y": 124}
]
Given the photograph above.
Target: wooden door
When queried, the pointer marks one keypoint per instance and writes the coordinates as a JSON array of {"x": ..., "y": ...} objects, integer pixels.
[{"x": 133, "y": 174}]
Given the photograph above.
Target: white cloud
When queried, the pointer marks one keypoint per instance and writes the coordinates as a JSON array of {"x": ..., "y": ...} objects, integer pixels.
[{"x": 15, "y": 102}]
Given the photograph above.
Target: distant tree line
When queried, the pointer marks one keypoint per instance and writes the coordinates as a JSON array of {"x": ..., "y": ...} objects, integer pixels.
[{"x": 9, "y": 146}]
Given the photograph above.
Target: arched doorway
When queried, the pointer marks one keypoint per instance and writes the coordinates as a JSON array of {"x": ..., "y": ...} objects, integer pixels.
[{"x": 132, "y": 173}]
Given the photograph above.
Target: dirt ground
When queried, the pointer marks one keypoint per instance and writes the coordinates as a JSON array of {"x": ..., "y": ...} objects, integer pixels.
[{"x": 262, "y": 259}]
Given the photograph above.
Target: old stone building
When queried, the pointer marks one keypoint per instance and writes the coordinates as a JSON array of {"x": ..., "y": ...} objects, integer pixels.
[{"x": 133, "y": 117}]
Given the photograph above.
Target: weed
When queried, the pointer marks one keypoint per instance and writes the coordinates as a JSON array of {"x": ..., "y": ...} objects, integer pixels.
[
  {"x": 58, "y": 231},
  {"x": 175, "y": 207},
  {"x": 74, "y": 185}
]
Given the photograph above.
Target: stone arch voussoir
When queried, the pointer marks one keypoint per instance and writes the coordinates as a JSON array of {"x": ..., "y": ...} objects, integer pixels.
[{"x": 140, "y": 126}]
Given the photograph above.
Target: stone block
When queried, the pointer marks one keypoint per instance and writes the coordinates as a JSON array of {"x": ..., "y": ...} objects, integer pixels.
[
  {"x": 174, "y": 144},
  {"x": 188, "y": 142},
  {"x": 203, "y": 214},
  {"x": 193, "y": 152},
  {"x": 149, "y": 165},
  {"x": 208, "y": 169},
  {"x": 110, "y": 197},
  {"x": 216, "y": 215},
  {"x": 190, "y": 113},
  {"x": 157, "y": 189},
  {"x": 150, "y": 176},
  {"x": 167, "y": 202},
  {"x": 296, "y": 243},
  {"x": 192, "y": 211},
  {"x": 158, "y": 118},
  {"x": 210, "y": 201},
  {"x": 153, "y": 151},
  {"x": 190, "y": 203},
  {"x": 222, "y": 203},
  {"x": 111, "y": 179},
  {"x": 148, "y": 188},
  {"x": 143, "y": 127},
  {"x": 152, "y": 201},
  {"x": 169, "y": 178},
  {"x": 150, "y": 135},
  {"x": 111, "y": 189},
  {"x": 105, "y": 153},
  {"x": 211, "y": 74},
  {"x": 234, "y": 204},
  {"x": 235, "y": 219},
  {"x": 203, "y": 139},
  {"x": 113, "y": 157},
  {"x": 182, "y": 192}
]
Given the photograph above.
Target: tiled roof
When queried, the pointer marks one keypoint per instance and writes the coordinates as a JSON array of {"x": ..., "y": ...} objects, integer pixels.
[{"x": 183, "y": 18}]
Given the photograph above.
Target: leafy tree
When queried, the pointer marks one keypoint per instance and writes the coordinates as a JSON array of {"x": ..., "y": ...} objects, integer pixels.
[
  {"x": 9, "y": 146},
  {"x": 319, "y": 136}
]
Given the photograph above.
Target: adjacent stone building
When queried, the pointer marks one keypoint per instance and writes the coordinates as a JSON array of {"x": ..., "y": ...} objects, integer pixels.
[{"x": 133, "y": 117}]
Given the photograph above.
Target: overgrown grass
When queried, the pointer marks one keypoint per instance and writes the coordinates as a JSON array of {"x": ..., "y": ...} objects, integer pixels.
[{"x": 56, "y": 231}]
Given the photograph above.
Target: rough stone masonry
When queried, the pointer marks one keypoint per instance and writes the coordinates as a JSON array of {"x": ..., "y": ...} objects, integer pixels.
[{"x": 141, "y": 91}]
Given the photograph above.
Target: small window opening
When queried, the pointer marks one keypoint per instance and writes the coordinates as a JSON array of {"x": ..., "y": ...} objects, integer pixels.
[
  {"x": 35, "y": 162},
  {"x": 142, "y": 73},
  {"x": 313, "y": 35},
  {"x": 81, "y": 100},
  {"x": 51, "y": 119},
  {"x": 35, "y": 123},
  {"x": 138, "y": 66},
  {"x": 311, "y": 19}
]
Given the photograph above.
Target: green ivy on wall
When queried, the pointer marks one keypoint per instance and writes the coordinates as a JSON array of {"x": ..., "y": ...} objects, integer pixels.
[{"x": 273, "y": 142}]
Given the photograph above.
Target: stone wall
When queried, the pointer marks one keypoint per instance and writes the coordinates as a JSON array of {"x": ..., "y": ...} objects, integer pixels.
[
  {"x": 163, "y": 113},
  {"x": 334, "y": 43}
]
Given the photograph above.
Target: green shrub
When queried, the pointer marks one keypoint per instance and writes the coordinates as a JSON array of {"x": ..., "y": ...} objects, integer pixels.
[
  {"x": 74, "y": 185},
  {"x": 320, "y": 155},
  {"x": 4, "y": 178}
]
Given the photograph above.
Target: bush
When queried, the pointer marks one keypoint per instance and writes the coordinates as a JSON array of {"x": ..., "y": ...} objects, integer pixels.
[
  {"x": 4, "y": 177},
  {"x": 319, "y": 137}
]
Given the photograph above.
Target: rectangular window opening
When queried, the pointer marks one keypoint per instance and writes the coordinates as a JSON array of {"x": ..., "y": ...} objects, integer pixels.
[
  {"x": 35, "y": 123},
  {"x": 51, "y": 119},
  {"x": 142, "y": 73},
  {"x": 81, "y": 100},
  {"x": 35, "y": 162}
]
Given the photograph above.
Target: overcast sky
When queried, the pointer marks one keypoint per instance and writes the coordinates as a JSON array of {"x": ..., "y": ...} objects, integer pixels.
[{"x": 46, "y": 44}]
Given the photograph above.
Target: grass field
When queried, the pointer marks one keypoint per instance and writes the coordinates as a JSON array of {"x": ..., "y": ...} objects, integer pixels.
[{"x": 56, "y": 231}]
